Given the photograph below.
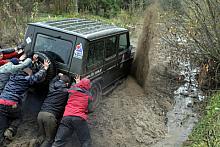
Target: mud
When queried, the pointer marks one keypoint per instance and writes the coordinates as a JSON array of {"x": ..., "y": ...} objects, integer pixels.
[
  {"x": 127, "y": 118},
  {"x": 145, "y": 43},
  {"x": 182, "y": 118}
]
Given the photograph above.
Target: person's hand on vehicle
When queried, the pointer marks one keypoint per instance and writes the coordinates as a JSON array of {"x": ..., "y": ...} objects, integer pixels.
[
  {"x": 20, "y": 51},
  {"x": 60, "y": 74},
  {"x": 46, "y": 64},
  {"x": 77, "y": 78},
  {"x": 23, "y": 57},
  {"x": 16, "y": 49},
  {"x": 35, "y": 58}
]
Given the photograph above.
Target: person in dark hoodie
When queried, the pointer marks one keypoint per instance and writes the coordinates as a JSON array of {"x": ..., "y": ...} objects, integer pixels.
[
  {"x": 75, "y": 115},
  {"x": 11, "y": 99},
  {"x": 52, "y": 109}
]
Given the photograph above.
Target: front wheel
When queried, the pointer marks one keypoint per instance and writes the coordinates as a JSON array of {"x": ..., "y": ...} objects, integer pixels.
[{"x": 96, "y": 92}]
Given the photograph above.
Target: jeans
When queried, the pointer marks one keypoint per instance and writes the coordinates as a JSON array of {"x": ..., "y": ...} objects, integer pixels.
[
  {"x": 9, "y": 116},
  {"x": 47, "y": 123},
  {"x": 67, "y": 126}
]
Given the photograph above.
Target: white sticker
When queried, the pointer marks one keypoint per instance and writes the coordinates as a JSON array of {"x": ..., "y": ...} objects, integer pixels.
[
  {"x": 78, "y": 53},
  {"x": 28, "y": 40}
]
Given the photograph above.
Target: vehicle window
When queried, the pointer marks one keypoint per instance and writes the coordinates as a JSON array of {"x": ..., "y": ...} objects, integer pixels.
[
  {"x": 59, "y": 48},
  {"x": 123, "y": 43},
  {"x": 110, "y": 46},
  {"x": 96, "y": 53}
]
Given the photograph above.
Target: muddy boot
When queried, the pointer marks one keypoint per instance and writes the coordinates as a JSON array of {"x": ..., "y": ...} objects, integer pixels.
[{"x": 9, "y": 134}]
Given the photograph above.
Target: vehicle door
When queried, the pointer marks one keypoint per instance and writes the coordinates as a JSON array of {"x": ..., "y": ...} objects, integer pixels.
[
  {"x": 110, "y": 62},
  {"x": 124, "y": 54}
]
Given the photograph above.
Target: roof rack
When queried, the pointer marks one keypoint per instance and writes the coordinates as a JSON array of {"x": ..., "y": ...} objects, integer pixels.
[{"x": 85, "y": 28}]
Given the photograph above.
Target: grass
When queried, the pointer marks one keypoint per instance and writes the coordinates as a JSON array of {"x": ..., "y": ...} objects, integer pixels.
[{"x": 207, "y": 131}]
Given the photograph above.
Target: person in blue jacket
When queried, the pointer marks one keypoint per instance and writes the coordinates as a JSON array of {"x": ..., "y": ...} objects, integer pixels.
[{"x": 12, "y": 96}]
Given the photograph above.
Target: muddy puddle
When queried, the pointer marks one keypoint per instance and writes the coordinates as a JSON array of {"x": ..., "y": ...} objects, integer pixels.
[{"x": 181, "y": 119}]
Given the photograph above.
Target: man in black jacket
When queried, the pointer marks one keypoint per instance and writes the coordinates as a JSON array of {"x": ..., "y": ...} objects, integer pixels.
[
  {"x": 52, "y": 109},
  {"x": 12, "y": 96}
]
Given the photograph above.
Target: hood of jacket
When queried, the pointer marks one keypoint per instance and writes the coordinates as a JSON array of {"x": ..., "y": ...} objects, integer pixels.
[{"x": 84, "y": 84}]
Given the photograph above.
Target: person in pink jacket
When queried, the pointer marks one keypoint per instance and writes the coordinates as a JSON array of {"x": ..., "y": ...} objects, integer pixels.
[{"x": 75, "y": 115}]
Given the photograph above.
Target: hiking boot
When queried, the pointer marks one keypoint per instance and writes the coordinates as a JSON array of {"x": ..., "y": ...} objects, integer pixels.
[{"x": 9, "y": 134}]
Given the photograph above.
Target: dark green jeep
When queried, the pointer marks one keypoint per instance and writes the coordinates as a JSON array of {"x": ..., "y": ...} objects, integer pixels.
[{"x": 92, "y": 49}]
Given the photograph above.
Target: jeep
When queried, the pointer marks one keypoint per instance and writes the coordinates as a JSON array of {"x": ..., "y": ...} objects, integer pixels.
[{"x": 92, "y": 49}]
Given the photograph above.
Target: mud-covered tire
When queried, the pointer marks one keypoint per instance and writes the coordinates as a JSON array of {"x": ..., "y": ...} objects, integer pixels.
[
  {"x": 52, "y": 70},
  {"x": 43, "y": 86},
  {"x": 96, "y": 92}
]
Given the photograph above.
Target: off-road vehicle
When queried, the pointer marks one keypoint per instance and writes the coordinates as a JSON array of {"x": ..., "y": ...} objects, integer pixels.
[{"x": 92, "y": 49}]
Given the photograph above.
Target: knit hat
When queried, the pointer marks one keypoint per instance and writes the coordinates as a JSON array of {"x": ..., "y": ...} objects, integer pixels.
[
  {"x": 15, "y": 61},
  {"x": 84, "y": 84}
]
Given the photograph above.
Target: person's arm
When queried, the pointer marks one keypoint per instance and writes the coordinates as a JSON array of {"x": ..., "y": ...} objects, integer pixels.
[
  {"x": 37, "y": 77},
  {"x": 2, "y": 62},
  {"x": 10, "y": 55},
  {"x": 40, "y": 75},
  {"x": 7, "y": 50},
  {"x": 22, "y": 65}
]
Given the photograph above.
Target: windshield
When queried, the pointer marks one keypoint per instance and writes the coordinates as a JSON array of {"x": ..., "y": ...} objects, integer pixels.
[{"x": 59, "y": 48}]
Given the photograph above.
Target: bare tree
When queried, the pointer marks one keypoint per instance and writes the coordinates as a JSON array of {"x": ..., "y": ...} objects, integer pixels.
[{"x": 195, "y": 36}]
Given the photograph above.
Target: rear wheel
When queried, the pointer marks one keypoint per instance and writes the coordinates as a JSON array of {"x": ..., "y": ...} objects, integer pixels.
[
  {"x": 51, "y": 72},
  {"x": 96, "y": 92}
]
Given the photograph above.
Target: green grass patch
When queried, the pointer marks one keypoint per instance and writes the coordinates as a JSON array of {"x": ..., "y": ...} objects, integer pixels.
[{"x": 207, "y": 131}]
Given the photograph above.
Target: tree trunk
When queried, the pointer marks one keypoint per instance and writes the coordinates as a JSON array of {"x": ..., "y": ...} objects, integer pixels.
[
  {"x": 47, "y": 3},
  {"x": 133, "y": 6},
  {"x": 141, "y": 5},
  {"x": 75, "y": 2}
]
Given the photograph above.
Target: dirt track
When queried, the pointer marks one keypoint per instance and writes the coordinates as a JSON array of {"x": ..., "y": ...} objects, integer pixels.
[{"x": 127, "y": 118}]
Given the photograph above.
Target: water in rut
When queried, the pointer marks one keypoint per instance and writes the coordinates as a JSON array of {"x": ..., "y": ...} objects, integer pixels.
[{"x": 181, "y": 119}]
